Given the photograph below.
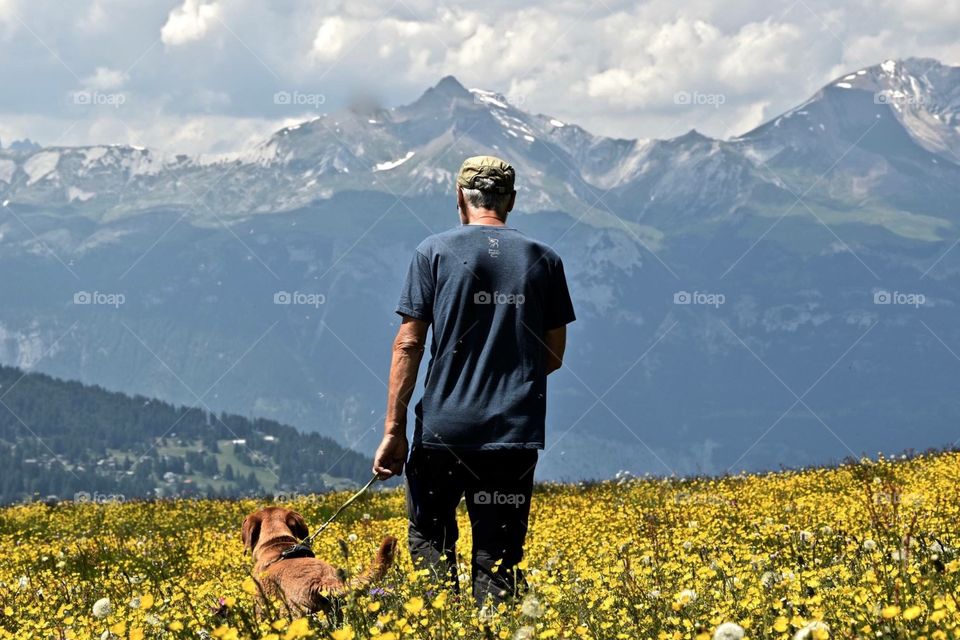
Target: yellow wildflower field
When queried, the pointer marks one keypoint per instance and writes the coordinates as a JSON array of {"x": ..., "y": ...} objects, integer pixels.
[{"x": 865, "y": 550}]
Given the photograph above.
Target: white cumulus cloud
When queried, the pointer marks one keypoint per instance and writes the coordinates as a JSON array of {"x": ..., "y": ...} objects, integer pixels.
[{"x": 189, "y": 22}]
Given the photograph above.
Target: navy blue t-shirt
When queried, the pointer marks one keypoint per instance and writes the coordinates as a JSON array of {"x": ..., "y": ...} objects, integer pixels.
[{"x": 490, "y": 294}]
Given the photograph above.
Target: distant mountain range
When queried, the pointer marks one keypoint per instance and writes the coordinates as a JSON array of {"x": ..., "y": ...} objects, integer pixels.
[{"x": 785, "y": 297}]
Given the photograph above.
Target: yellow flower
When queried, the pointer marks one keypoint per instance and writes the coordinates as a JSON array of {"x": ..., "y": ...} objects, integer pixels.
[
  {"x": 250, "y": 586},
  {"x": 299, "y": 628},
  {"x": 891, "y": 611},
  {"x": 346, "y": 633},
  {"x": 912, "y": 613},
  {"x": 414, "y": 605}
]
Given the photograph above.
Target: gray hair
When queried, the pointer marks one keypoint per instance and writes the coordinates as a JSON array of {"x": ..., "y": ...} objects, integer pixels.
[{"x": 485, "y": 197}]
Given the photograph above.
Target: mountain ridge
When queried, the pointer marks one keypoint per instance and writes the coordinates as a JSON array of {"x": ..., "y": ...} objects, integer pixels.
[{"x": 799, "y": 229}]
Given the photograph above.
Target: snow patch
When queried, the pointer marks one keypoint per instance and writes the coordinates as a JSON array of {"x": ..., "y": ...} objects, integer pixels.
[
  {"x": 844, "y": 85},
  {"x": 75, "y": 193},
  {"x": 7, "y": 168},
  {"x": 528, "y": 138},
  {"x": 889, "y": 66},
  {"x": 557, "y": 123},
  {"x": 392, "y": 164},
  {"x": 92, "y": 154},
  {"x": 40, "y": 165}
]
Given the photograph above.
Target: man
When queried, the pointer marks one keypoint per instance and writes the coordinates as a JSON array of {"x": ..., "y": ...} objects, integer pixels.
[{"x": 498, "y": 304}]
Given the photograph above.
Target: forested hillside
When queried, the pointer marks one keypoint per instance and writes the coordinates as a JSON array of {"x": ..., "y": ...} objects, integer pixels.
[{"x": 65, "y": 440}]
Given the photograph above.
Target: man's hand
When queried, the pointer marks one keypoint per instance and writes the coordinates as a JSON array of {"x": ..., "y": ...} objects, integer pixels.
[{"x": 390, "y": 457}]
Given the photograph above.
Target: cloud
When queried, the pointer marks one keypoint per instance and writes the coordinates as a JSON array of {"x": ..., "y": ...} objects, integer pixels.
[
  {"x": 614, "y": 67},
  {"x": 105, "y": 79},
  {"x": 189, "y": 22},
  {"x": 331, "y": 38}
]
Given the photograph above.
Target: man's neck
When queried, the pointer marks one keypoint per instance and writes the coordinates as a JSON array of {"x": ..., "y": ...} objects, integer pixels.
[{"x": 485, "y": 218}]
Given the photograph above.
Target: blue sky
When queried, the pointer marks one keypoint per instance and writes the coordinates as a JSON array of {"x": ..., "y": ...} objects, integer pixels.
[{"x": 199, "y": 76}]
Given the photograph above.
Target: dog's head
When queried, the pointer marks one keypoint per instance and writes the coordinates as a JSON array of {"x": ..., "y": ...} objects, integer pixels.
[{"x": 270, "y": 523}]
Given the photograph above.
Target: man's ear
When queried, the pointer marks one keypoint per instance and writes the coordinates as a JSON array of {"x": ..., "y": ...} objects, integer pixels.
[
  {"x": 250, "y": 531},
  {"x": 297, "y": 525},
  {"x": 513, "y": 199}
]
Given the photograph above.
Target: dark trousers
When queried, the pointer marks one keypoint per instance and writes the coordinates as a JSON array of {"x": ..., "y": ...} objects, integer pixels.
[{"x": 498, "y": 485}]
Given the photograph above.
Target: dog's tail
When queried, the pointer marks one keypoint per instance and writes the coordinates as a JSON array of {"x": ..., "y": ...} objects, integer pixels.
[{"x": 382, "y": 561}]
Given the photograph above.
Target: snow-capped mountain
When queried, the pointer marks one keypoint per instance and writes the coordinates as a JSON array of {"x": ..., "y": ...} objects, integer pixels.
[{"x": 797, "y": 231}]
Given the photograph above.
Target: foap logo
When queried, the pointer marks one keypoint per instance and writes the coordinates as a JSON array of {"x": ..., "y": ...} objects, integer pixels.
[
  {"x": 497, "y": 498},
  {"x": 299, "y": 99},
  {"x": 699, "y": 297},
  {"x": 83, "y": 497},
  {"x": 485, "y": 297},
  {"x": 898, "y": 97},
  {"x": 97, "y": 99},
  {"x": 698, "y": 99},
  {"x": 99, "y": 298},
  {"x": 299, "y": 298},
  {"x": 491, "y": 98},
  {"x": 287, "y": 496},
  {"x": 915, "y": 300}
]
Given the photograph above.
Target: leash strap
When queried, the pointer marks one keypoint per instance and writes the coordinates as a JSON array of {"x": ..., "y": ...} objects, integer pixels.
[{"x": 309, "y": 539}]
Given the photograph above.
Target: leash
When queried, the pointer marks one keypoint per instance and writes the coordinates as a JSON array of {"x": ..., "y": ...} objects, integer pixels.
[{"x": 303, "y": 548}]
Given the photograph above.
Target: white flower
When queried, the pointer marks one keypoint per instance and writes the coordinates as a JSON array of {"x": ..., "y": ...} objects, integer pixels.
[
  {"x": 654, "y": 594},
  {"x": 728, "y": 631},
  {"x": 806, "y": 536},
  {"x": 769, "y": 578},
  {"x": 938, "y": 548},
  {"x": 134, "y": 602},
  {"x": 352, "y": 537},
  {"x": 524, "y": 633},
  {"x": 807, "y": 633},
  {"x": 531, "y": 607},
  {"x": 687, "y": 545},
  {"x": 826, "y": 530},
  {"x": 686, "y": 596},
  {"x": 486, "y": 614},
  {"x": 23, "y": 582},
  {"x": 102, "y": 608},
  {"x": 869, "y": 545}
]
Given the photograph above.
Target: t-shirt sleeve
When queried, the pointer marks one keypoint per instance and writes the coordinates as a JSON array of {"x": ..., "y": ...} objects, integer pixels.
[
  {"x": 559, "y": 306},
  {"x": 416, "y": 296}
]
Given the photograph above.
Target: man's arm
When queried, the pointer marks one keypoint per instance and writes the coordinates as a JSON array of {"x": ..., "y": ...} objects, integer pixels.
[
  {"x": 555, "y": 342},
  {"x": 408, "y": 349}
]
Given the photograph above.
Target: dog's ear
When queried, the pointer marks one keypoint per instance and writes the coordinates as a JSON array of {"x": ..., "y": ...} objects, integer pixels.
[
  {"x": 250, "y": 532},
  {"x": 298, "y": 526}
]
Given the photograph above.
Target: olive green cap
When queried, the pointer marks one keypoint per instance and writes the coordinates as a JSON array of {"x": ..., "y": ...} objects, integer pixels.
[{"x": 499, "y": 172}]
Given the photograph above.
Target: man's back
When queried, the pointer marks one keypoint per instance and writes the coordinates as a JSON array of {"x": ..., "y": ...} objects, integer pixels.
[{"x": 490, "y": 294}]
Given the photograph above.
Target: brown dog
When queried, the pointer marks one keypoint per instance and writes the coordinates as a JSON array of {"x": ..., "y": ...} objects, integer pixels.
[{"x": 305, "y": 584}]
